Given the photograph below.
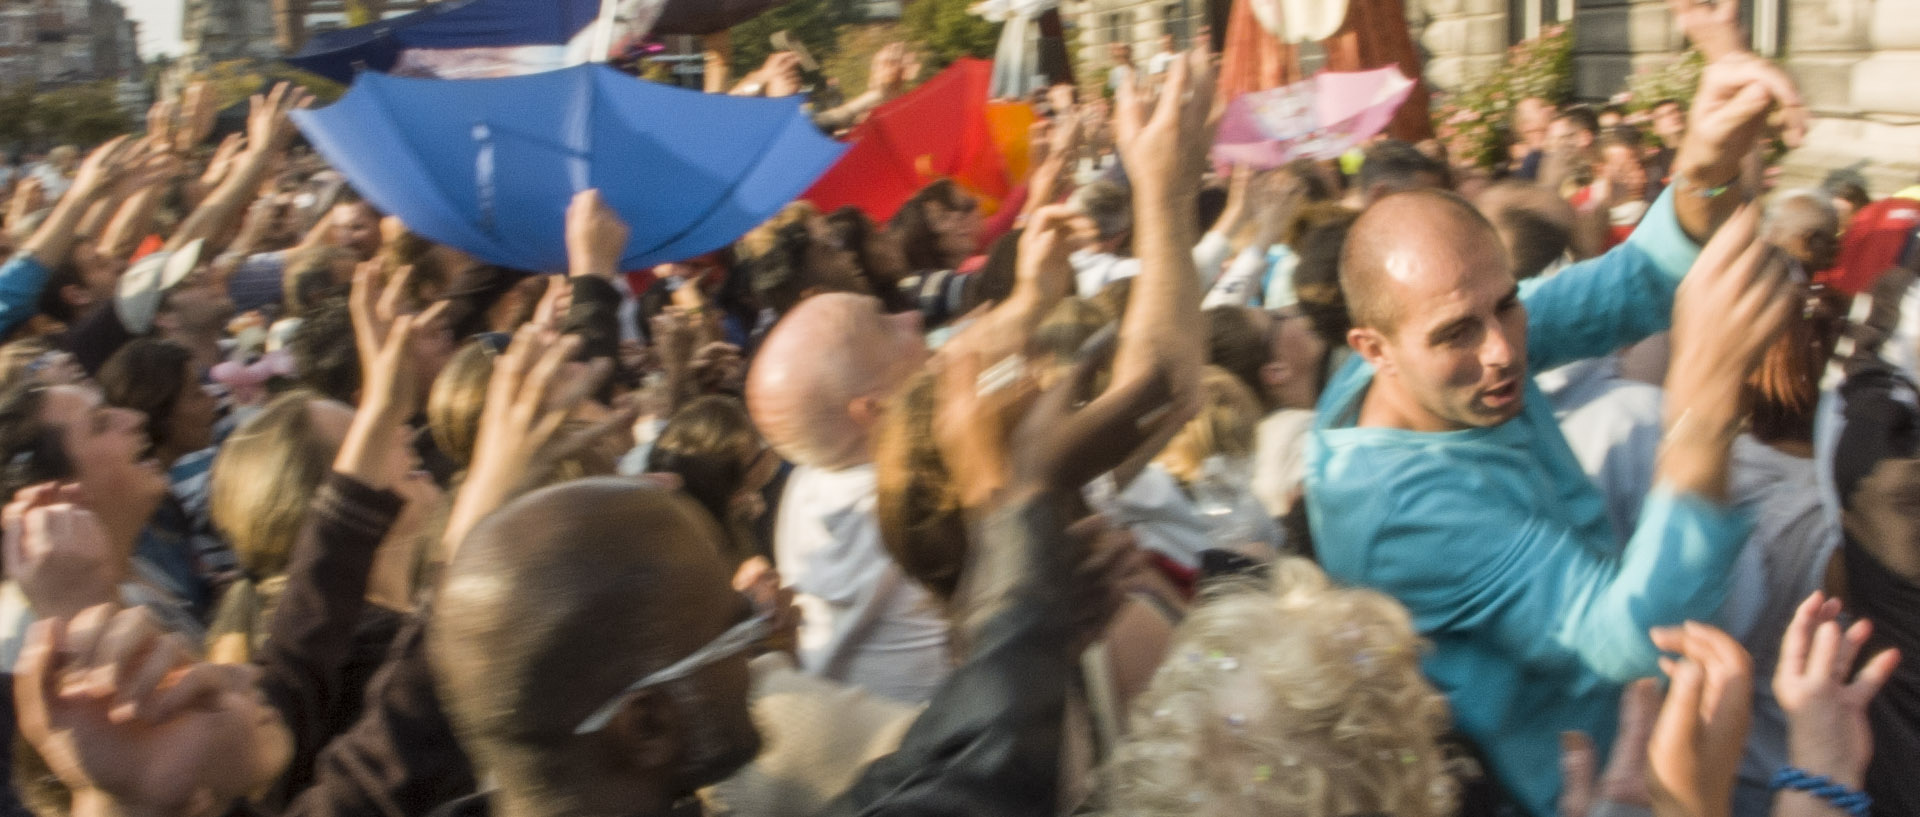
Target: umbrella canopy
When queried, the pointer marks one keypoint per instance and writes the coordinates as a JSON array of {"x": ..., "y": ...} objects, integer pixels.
[
  {"x": 488, "y": 166},
  {"x": 1319, "y": 118},
  {"x": 452, "y": 24},
  {"x": 938, "y": 130}
]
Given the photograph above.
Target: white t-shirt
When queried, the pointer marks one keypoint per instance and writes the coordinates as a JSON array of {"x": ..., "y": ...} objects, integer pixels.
[
  {"x": 863, "y": 621},
  {"x": 1093, "y": 271}
]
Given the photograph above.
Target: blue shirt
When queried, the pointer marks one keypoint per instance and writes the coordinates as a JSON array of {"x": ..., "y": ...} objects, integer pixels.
[
  {"x": 1500, "y": 547},
  {"x": 21, "y": 280}
]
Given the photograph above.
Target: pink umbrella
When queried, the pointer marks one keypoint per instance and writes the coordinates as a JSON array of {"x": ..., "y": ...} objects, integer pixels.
[{"x": 1319, "y": 118}]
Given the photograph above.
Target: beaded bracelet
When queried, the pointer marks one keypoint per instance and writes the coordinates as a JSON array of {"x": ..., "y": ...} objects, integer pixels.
[
  {"x": 1693, "y": 189},
  {"x": 1851, "y": 801}
]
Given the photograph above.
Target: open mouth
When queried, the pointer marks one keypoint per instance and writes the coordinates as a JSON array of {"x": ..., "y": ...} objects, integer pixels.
[{"x": 1502, "y": 395}]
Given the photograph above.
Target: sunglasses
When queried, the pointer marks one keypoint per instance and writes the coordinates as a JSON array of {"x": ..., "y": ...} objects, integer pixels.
[{"x": 737, "y": 639}]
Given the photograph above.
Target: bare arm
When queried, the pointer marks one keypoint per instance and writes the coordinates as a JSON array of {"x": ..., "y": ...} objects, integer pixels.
[
  {"x": 51, "y": 242},
  {"x": 1729, "y": 309},
  {"x": 1165, "y": 151},
  {"x": 268, "y": 130},
  {"x": 1728, "y": 117},
  {"x": 131, "y": 222},
  {"x": 892, "y": 68}
]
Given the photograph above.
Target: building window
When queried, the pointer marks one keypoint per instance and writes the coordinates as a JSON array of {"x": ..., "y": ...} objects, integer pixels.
[
  {"x": 1117, "y": 28},
  {"x": 1525, "y": 18},
  {"x": 1176, "y": 23}
]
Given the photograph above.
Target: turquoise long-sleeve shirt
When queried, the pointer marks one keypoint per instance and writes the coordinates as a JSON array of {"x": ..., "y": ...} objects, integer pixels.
[
  {"x": 22, "y": 278},
  {"x": 1501, "y": 548}
]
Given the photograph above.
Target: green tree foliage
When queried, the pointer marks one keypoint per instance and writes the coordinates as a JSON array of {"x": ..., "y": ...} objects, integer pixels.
[
  {"x": 944, "y": 31},
  {"x": 74, "y": 114},
  {"x": 816, "y": 23}
]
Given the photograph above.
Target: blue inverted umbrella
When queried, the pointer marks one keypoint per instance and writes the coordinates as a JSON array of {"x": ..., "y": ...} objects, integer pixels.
[{"x": 488, "y": 165}]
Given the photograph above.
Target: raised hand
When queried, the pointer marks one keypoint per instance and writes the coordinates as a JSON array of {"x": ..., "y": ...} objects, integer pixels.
[
  {"x": 383, "y": 333},
  {"x": 1827, "y": 728},
  {"x": 160, "y": 123},
  {"x": 1735, "y": 301},
  {"x": 1694, "y": 753},
  {"x": 199, "y": 108},
  {"x": 1712, "y": 27},
  {"x": 596, "y": 236},
  {"x": 222, "y": 160},
  {"x": 268, "y": 126},
  {"x": 1045, "y": 246},
  {"x": 532, "y": 392},
  {"x": 121, "y": 711},
  {"x": 58, "y": 552},
  {"x": 102, "y": 167},
  {"x": 888, "y": 74},
  {"x": 1164, "y": 142},
  {"x": 781, "y": 73}
]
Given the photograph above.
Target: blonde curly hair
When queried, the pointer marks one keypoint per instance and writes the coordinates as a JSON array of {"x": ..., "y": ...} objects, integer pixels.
[{"x": 1295, "y": 700}]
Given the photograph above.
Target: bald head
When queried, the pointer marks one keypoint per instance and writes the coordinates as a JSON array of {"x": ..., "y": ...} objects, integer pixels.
[
  {"x": 822, "y": 370},
  {"x": 1407, "y": 236},
  {"x": 1534, "y": 225},
  {"x": 562, "y": 598}
]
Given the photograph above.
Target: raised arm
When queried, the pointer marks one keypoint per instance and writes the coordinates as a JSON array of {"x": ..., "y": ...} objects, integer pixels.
[
  {"x": 1164, "y": 147},
  {"x": 893, "y": 67},
  {"x": 25, "y": 275},
  {"x": 268, "y": 132}
]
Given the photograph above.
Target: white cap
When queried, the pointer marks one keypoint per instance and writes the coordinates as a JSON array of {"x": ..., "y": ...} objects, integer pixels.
[{"x": 150, "y": 278}]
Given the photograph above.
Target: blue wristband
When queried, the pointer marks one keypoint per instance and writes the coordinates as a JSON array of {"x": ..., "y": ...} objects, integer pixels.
[{"x": 1851, "y": 801}]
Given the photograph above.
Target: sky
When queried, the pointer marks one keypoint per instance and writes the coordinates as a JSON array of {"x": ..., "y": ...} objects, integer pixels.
[{"x": 159, "y": 25}]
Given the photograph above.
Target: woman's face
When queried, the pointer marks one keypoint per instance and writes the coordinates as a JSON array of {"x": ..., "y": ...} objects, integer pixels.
[
  {"x": 958, "y": 226},
  {"x": 190, "y": 426},
  {"x": 749, "y": 504}
]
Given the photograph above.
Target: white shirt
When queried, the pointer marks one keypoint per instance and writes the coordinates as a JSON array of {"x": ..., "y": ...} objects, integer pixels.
[
  {"x": 863, "y": 621},
  {"x": 1279, "y": 458},
  {"x": 1093, "y": 271},
  {"x": 1161, "y": 515}
]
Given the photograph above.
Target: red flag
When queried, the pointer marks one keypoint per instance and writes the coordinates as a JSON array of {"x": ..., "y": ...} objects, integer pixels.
[{"x": 939, "y": 130}]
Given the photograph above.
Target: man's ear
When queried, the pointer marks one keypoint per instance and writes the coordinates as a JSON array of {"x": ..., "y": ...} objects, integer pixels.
[
  {"x": 866, "y": 410},
  {"x": 648, "y": 731},
  {"x": 1371, "y": 346}
]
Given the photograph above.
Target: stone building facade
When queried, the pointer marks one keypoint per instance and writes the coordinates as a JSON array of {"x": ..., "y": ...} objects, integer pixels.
[
  {"x": 51, "y": 42},
  {"x": 219, "y": 30},
  {"x": 1094, "y": 26},
  {"x": 1852, "y": 58}
]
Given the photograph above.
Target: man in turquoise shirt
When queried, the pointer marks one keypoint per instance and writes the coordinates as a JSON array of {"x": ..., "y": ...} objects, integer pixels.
[{"x": 1437, "y": 472}]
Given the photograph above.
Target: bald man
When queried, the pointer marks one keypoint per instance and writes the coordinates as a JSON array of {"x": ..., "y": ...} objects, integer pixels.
[
  {"x": 1437, "y": 473},
  {"x": 815, "y": 391},
  {"x": 551, "y": 612}
]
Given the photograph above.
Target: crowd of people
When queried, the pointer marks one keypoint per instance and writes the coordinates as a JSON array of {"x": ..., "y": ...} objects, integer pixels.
[{"x": 1579, "y": 486}]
